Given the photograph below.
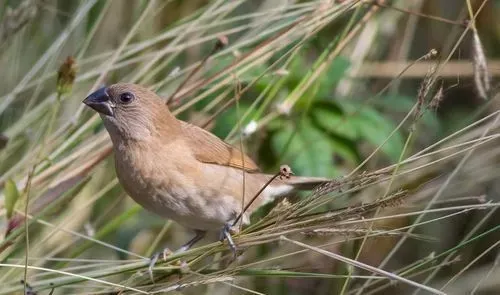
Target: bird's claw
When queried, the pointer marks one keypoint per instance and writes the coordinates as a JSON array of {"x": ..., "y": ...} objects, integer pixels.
[
  {"x": 165, "y": 253},
  {"x": 226, "y": 235},
  {"x": 183, "y": 267},
  {"x": 152, "y": 263}
]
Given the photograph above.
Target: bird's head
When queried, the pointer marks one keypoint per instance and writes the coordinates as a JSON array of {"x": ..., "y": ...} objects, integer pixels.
[{"x": 131, "y": 112}]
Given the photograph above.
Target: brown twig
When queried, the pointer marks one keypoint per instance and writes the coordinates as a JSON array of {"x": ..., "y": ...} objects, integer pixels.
[
  {"x": 285, "y": 171},
  {"x": 417, "y": 70},
  {"x": 202, "y": 83},
  {"x": 221, "y": 43},
  {"x": 222, "y": 109},
  {"x": 432, "y": 17}
]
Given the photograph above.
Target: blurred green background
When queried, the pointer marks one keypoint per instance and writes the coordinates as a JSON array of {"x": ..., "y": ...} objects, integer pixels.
[{"x": 405, "y": 90}]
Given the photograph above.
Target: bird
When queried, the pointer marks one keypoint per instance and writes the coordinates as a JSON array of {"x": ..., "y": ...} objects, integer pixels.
[{"x": 180, "y": 171}]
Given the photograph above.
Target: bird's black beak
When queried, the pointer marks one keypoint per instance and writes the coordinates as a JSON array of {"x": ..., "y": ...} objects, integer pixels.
[{"x": 100, "y": 102}]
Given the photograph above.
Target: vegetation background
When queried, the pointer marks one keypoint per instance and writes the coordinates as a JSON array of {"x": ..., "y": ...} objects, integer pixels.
[{"x": 395, "y": 100}]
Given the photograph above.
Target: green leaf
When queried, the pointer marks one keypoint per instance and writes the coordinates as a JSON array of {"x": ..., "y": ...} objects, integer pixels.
[
  {"x": 228, "y": 119},
  {"x": 305, "y": 149},
  {"x": 335, "y": 72},
  {"x": 374, "y": 128},
  {"x": 355, "y": 123},
  {"x": 330, "y": 117},
  {"x": 341, "y": 134},
  {"x": 11, "y": 197},
  {"x": 323, "y": 86}
]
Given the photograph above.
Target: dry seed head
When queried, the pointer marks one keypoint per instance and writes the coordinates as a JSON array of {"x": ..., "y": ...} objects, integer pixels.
[
  {"x": 394, "y": 200},
  {"x": 222, "y": 41},
  {"x": 436, "y": 100},
  {"x": 327, "y": 188},
  {"x": 423, "y": 91},
  {"x": 282, "y": 207},
  {"x": 482, "y": 79},
  {"x": 432, "y": 53},
  {"x": 66, "y": 76},
  {"x": 285, "y": 171}
]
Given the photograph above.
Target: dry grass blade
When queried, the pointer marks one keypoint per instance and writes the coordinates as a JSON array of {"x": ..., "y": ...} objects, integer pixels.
[
  {"x": 15, "y": 19},
  {"x": 63, "y": 37},
  {"x": 69, "y": 274},
  {"x": 420, "y": 157},
  {"x": 364, "y": 266}
]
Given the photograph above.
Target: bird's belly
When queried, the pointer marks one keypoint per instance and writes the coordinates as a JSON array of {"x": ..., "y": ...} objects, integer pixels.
[
  {"x": 190, "y": 208},
  {"x": 194, "y": 198}
]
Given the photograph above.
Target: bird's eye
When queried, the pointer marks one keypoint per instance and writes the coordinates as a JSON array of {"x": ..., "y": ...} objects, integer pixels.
[{"x": 126, "y": 97}]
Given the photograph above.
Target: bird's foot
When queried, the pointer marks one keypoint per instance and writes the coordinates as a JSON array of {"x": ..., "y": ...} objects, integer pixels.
[
  {"x": 184, "y": 267},
  {"x": 226, "y": 235},
  {"x": 165, "y": 253},
  {"x": 152, "y": 263},
  {"x": 199, "y": 235}
]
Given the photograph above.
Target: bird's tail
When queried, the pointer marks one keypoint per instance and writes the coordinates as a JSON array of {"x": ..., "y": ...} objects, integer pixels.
[{"x": 305, "y": 183}]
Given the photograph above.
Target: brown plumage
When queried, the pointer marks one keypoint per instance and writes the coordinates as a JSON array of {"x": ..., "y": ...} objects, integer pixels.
[{"x": 178, "y": 170}]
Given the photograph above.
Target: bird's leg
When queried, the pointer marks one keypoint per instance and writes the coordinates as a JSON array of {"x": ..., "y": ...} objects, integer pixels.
[
  {"x": 199, "y": 234},
  {"x": 226, "y": 234}
]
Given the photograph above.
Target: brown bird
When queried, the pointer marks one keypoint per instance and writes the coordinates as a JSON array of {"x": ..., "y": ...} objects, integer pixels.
[{"x": 180, "y": 171}]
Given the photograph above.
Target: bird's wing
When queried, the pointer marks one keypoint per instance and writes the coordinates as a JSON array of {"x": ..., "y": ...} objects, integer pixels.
[{"x": 208, "y": 148}]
